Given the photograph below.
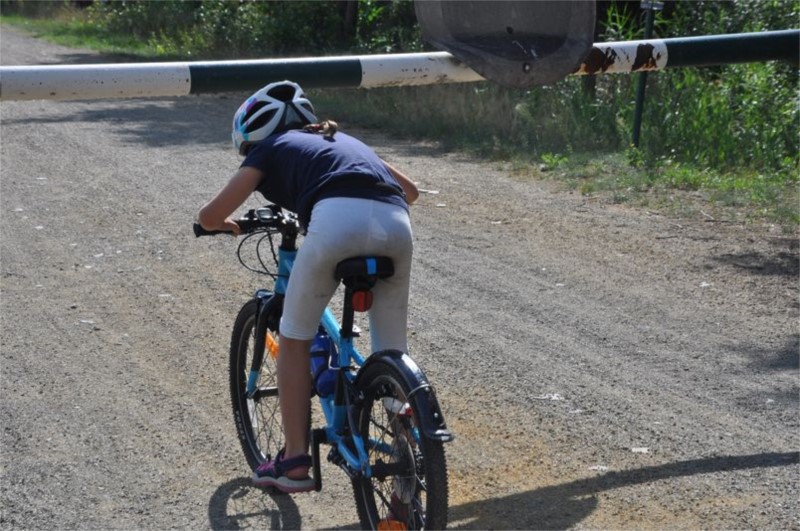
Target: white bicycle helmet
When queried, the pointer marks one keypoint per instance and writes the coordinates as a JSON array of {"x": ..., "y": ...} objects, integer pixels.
[{"x": 277, "y": 107}]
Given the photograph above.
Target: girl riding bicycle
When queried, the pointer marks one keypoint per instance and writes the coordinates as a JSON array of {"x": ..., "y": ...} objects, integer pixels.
[{"x": 351, "y": 203}]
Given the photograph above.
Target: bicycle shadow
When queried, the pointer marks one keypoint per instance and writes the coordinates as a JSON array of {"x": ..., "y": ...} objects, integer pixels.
[
  {"x": 566, "y": 505},
  {"x": 555, "y": 507},
  {"x": 237, "y": 504}
]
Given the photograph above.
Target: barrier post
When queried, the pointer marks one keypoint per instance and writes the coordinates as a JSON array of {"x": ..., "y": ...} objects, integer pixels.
[{"x": 649, "y": 6}]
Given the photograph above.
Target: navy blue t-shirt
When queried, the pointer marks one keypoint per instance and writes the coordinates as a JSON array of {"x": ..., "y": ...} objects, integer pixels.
[{"x": 301, "y": 168}]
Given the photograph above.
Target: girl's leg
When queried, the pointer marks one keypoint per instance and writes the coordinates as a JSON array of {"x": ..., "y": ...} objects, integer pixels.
[
  {"x": 294, "y": 382},
  {"x": 311, "y": 286},
  {"x": 388, "y": 317},
  {"x": 340, "y": 228}
]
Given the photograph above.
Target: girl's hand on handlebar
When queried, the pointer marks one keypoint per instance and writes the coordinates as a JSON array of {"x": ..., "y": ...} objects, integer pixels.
[{"x": 228, "y": 225}]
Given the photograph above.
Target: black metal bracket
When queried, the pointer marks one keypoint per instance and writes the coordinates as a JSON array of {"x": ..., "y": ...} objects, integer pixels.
[{"x": 318, "y": 437}]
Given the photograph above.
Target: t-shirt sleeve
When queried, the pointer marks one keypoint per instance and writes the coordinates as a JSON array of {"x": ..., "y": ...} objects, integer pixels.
[{"x": 256, "y": 157}]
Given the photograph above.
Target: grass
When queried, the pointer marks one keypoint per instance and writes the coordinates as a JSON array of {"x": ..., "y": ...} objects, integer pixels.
[
  {"x": 77, "y": 32},
  {"x": 678, "y": 189}
]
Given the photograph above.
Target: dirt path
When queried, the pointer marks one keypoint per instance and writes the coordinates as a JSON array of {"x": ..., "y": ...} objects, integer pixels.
[{"x": 602, "y": 367}]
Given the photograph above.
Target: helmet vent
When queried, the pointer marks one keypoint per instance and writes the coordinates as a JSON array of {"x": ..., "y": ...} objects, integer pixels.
[
  {"x": 260, "y": 121},
  {"x": 257, "y": 106},
  {"x": 282, "y": 92}
]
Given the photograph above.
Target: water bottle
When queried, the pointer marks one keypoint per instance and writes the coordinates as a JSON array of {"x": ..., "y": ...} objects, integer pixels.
[{"x": 323, "y": 357}]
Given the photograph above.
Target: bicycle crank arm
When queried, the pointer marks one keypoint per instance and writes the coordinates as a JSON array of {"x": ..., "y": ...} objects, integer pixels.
[
  {"x": 336, "y": 458},
  {"x": 318, "y": 437}
]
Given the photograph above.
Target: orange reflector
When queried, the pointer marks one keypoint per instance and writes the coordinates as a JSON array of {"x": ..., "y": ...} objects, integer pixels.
[
  {"x": 391, "y": 525},
  {"x": 362, "y": 300},
  {"x": 272, "y": 345}
]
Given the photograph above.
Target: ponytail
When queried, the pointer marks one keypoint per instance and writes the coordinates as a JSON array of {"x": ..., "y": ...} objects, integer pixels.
[{"x": 328, "y": 128}]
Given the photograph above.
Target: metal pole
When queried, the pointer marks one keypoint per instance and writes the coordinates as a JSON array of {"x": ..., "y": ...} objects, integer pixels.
[
  {"x": 146, "y": 80},
  {"x": 143, "y": 80},
  {"x": 640, "y": 89},
  {"x": 657, "y": 54}
]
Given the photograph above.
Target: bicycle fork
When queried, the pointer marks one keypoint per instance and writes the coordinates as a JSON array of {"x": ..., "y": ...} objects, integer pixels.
[{"x": 267, "y": 302}]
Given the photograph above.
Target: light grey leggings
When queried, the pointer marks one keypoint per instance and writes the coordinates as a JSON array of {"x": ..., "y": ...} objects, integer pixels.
[{"x": 343, "y": 227}]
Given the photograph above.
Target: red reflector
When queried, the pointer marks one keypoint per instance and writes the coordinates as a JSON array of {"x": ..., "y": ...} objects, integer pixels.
[{"x": 362, "y": 300}]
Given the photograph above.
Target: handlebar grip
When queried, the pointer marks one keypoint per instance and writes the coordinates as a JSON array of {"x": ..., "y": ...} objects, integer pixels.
[{"x": 200, "y": 231}]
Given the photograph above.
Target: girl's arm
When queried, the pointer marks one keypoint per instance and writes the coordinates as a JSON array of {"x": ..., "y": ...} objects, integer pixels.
[
  {"x": 215, "y": 215},
  {"x": 408, "y": 186}
]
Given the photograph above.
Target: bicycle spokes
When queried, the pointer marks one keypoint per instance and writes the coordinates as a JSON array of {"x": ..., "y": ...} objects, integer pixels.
[{"x": 396, "y": 463}]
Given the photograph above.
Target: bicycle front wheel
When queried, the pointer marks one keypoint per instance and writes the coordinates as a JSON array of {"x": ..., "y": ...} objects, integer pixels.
[
  {"x": 257, "y": 415},
  {"x": 409, "y": 490}
]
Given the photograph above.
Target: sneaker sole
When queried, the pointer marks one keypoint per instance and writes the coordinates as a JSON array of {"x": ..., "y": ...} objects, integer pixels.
[{"x": 284, "y": 484}]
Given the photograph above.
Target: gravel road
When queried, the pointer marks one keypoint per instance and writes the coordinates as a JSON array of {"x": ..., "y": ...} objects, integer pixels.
[{"x": 601, "y": 366}]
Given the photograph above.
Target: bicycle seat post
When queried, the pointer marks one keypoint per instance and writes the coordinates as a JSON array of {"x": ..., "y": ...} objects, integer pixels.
[
  {"x": 348, "y": 313},
  {"x": 359, "y": 275}
]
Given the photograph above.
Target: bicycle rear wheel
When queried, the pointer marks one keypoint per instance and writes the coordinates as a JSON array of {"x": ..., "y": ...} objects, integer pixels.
[
  {"x": 413, "y": 493},
  {"x": 257, "y": 417}
]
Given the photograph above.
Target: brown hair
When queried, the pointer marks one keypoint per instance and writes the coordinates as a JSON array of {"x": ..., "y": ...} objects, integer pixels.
[{"x": 327, "y": 128}]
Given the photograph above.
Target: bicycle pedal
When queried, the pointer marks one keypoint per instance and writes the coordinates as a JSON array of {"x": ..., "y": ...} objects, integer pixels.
[{"x": 335, "y": 457}]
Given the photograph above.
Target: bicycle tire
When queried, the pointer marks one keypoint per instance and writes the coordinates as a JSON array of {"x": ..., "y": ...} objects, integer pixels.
[
  {"x": 258, "y": 420},
  {"x": 417, "y": 499}
]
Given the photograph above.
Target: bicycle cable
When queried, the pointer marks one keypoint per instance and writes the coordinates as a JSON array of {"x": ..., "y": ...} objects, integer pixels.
[{"x": 262, "y": 235}]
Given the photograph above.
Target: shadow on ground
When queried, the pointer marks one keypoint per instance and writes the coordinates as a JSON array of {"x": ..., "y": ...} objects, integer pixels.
[
  {"x": 784, "y": 359},
  {"x": 237, "y": 504},
  {"x": 196, "y": 120},
  {"x": 564, "y": 506},
  {"x": 556, "y": 507},
  {"x": 782, "y": 263},
  {"x": 184, "y": 121}
]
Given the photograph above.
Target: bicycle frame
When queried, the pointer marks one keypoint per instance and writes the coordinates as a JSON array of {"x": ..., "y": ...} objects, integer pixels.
[
  {"x": 374, "y": 397},
  {"x": 335, "y": 407}
]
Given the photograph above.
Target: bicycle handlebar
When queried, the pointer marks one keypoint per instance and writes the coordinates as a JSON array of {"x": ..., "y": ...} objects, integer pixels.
[
  {"x": 246, "y": 225},
  {"x": 200, "y": 231},
  {"x": 267, "y": 217}
]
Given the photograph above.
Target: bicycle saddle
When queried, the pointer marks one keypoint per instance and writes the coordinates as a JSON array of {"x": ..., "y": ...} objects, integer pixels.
[{"x": 364, "y": 269}]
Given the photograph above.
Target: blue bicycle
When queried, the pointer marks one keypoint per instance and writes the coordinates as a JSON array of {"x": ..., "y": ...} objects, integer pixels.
[{"x": 383, "y": 422}]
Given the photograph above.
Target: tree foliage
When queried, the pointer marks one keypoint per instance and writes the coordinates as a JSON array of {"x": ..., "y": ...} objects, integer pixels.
[{"x": 250, "y": 28}]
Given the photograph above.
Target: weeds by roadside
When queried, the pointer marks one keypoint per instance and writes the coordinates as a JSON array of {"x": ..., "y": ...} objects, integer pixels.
[{"x": 676, "y": 189}]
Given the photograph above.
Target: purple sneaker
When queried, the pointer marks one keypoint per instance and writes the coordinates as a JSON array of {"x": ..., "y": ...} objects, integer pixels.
[{"x": 273, "y": 474}]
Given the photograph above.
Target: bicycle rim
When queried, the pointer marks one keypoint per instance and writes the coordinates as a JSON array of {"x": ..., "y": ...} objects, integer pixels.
[
  {"x": 414, "y": 496},
  {"x": 257, "y": 417}
]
